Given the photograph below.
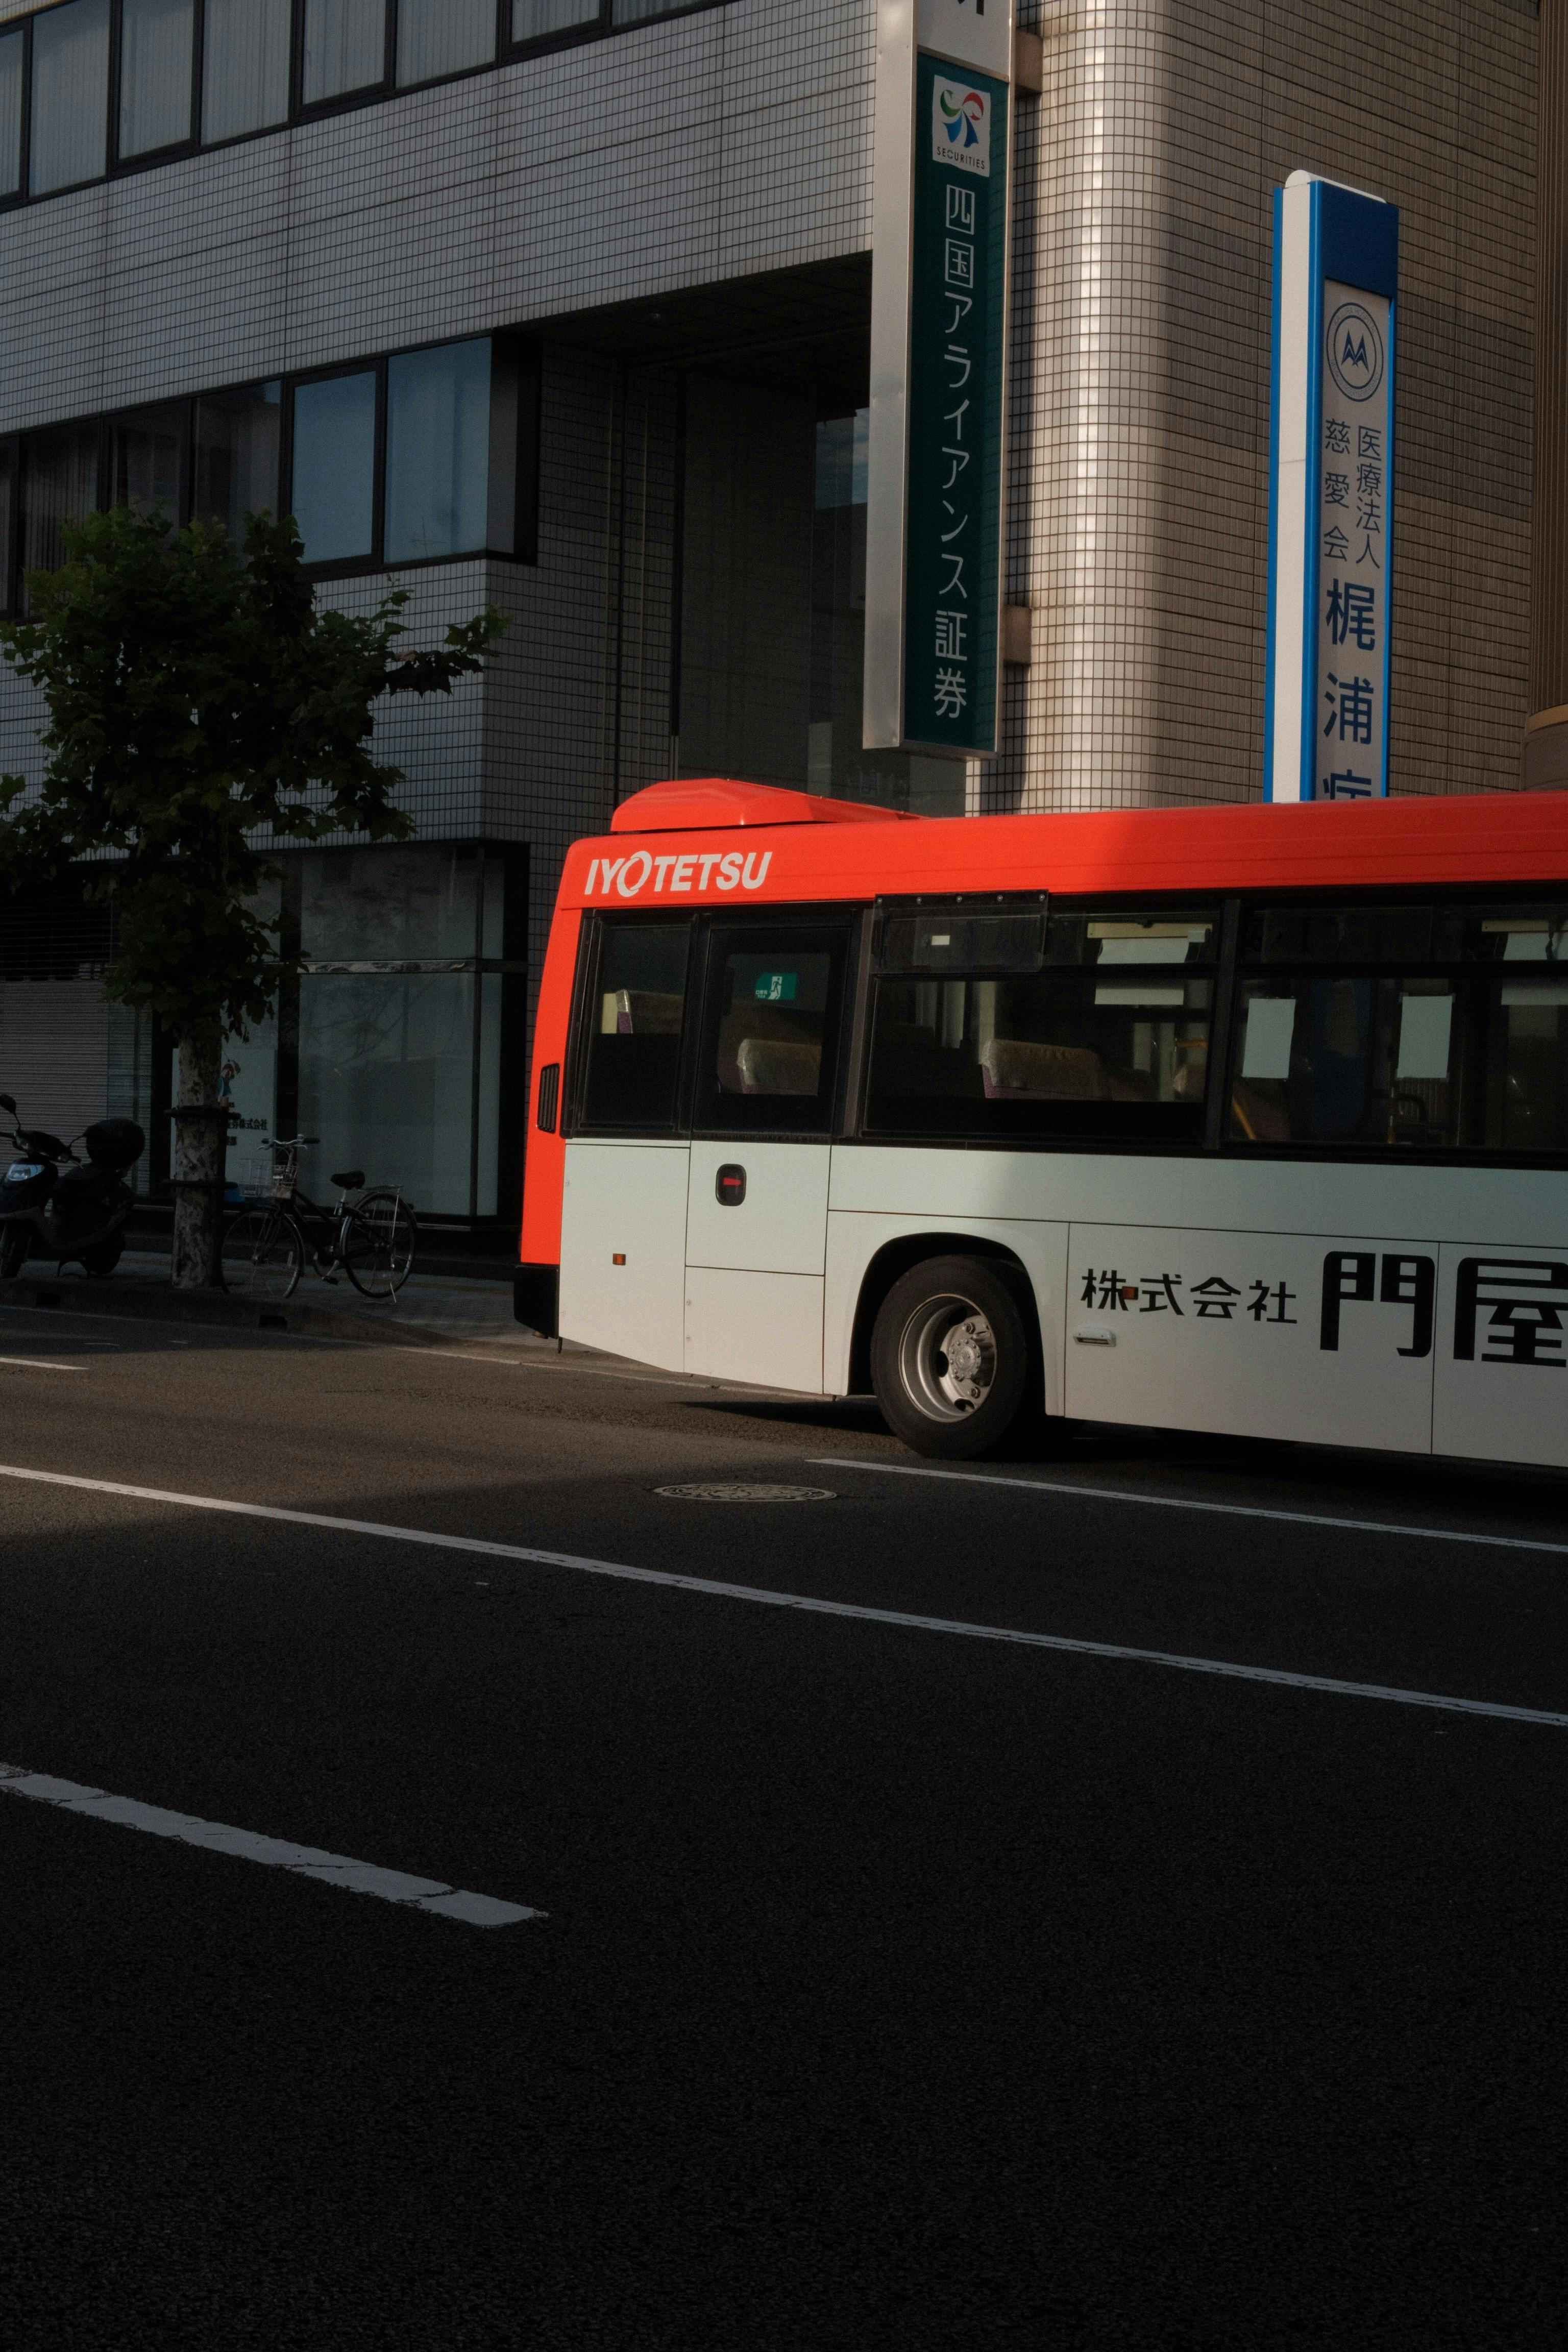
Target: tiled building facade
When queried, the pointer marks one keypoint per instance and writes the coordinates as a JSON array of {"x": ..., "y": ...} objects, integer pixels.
[{"x": 672, "y": 210}]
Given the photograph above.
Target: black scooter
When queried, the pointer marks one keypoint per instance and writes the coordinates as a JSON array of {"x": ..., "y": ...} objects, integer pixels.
[{"x": 79, "y": 1215}]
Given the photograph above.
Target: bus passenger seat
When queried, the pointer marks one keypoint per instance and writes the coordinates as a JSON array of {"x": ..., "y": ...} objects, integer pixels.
[
  {"x": 778, "y": 1066},
  {"x": 1016, "y": 1069},
  {"x": 1258, "y": 1112},
  {"x": 648, "y": 1013}
]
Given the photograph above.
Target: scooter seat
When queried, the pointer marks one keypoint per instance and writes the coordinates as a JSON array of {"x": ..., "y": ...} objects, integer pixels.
[{"x": 351, "y": 1182}]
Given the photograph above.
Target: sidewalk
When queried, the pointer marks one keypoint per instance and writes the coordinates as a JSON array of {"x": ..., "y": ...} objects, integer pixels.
[{"x": 431, "y": 1310}]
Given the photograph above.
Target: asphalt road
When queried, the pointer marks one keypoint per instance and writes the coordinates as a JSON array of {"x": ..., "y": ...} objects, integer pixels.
[{"x": 896, "y": 1986}]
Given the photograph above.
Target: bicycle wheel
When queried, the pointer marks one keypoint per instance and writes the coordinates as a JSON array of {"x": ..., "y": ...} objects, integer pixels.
[
  {"x": 378, "y": 1241},
  {"x": 263, "y": 1256}
]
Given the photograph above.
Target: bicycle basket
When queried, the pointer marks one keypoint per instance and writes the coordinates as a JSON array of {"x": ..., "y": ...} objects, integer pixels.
[{"x": 269, "y": 1179}]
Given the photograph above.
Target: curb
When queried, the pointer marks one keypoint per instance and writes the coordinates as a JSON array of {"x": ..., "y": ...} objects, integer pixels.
[{"x": 156, "y": 1301}]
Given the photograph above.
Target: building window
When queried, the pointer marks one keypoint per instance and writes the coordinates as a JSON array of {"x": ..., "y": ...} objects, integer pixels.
[
  {"x": 442, "y": 36},
  {"x": 148, "y": 452},
  {"x": 157, "y": 54},
  {"x": 445, "y": 465},
  {"x": 12, "y": 60},
  {"x": 437, "y": 451},
  {"x": 164, "y": 73},
  {"x": 345, "y": 48},
  {"x": 238, "y": 446},
  {"x": 535, "y": 20},
  {"x": 415, "y": 459},
  {"x": 69, "y": 131},
  {"x": 10, "y": 454},
  {"x": 401, "y": 1018},
  {"x": 334, "y": 496},
  {"x": 245, "y": 67},
  {"x": 59, "y": 485}
]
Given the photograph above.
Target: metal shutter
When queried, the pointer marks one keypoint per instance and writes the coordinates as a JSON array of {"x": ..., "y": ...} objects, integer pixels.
[{"x": 54, "y": 1051}]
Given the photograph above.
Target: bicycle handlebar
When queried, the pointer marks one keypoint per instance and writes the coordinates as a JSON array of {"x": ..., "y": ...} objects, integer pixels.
[{"x": 288, "y": 1142}]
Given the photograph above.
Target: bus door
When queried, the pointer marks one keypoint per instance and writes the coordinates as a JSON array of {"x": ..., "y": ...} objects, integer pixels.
[
  {"x": 623, "y": 1212},
  {"x": 768, "y": 1056}
]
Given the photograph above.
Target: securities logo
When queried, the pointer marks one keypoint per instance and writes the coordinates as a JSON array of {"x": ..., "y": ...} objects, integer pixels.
[
  {"x": 961, "y": 127},
  {"x": 1355, "y": 351}
]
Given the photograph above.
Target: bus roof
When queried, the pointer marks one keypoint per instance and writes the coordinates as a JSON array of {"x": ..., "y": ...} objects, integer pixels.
[{"x": 788, "y": 845}]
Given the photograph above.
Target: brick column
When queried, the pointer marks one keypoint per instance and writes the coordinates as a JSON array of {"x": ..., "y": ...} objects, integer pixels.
[{"x": 1546, "y": 731}]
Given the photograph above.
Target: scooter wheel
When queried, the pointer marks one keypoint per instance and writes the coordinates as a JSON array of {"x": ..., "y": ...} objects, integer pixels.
[
  {"x": 104, "y": 1256},
  {"x": 12, "y": 1252}
]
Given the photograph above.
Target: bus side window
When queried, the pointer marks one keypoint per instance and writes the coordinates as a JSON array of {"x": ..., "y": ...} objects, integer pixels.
[
  {"x": 771, "y": 1021},
  {"x": 1349, "y": 1027},
  {"x": 1524, "y": 953},
  {"x": 1085, "y": 1022},
  {"x": 634, "y": 1016}
]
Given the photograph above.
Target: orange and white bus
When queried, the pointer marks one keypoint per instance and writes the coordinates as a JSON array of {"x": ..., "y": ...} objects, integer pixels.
[{"x": 1246, "y": 1120}]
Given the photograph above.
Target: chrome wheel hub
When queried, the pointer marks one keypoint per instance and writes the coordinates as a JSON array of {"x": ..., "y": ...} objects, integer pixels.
[{"x": 947, "y": 1358}]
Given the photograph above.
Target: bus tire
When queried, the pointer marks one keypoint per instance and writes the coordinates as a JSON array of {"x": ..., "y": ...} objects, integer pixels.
[{"x": 952, "y": 1354}]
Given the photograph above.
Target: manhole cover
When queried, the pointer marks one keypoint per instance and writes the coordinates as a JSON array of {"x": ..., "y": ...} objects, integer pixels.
[{"x": 710, "y": 1491}]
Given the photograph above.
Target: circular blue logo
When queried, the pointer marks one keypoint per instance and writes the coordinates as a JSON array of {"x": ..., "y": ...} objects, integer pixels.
[{"x": 1353, "y": 347}]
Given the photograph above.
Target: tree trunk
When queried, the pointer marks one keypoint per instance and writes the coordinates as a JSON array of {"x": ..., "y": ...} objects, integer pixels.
[{"x": 201, "y": 1135}]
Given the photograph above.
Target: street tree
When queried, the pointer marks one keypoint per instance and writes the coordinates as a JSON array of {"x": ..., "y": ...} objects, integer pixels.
[{"x": 202, "y": 708}]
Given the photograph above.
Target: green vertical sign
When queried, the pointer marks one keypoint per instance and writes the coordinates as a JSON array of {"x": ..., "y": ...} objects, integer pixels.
[{"x": 953, "y": 495}]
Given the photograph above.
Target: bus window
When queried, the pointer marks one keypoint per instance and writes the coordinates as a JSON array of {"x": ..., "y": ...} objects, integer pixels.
[
  {"x": 771, "y": 1026},
  {"x": 1103, "y": 1032},
  {"x": 636, "y": 1009},
  {"x": 1342, "y": 1049},
  {"x": 1525, "y": 952}
]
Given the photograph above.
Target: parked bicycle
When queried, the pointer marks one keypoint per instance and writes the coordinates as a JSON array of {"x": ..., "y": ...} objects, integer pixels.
[{"x": 372, "y": 1236}]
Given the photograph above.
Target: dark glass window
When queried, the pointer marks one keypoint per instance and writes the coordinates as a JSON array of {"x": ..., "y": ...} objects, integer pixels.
[
  {"x": 1397, "y": 934},
  {"x": 148, "y": 452},
  {"x": 8, "y": 522},
  {"x": 59, "y": 485},
  {"x": 442, "y": 36},
  {"x": 532, "y": 19},
  {"x": 157, "y": 54},
  {"x": 437, "y": 451},
  {"x": 1416, "y": 1027},
  {"x": 345, "y": 47},
  {"x": 456, "y": 467},
  {"x": 632, "y": 12},
  {"x": 333, "y": 494},
  {"x": 11, "y": 62},
  {"x": 1348, "y": 1057},
  {"x": 635, "y": 1016},
  {"x": 1523, "y": 952},
  {"x": 236, "y": 454},
  {"x": 68, "y": 136},
  {"x": 1092, "y": 1023},
  {"x": 771, "y": 1024},
  {"x": 244, "y": 66},
  {"x": 1363, "y": 1040}
]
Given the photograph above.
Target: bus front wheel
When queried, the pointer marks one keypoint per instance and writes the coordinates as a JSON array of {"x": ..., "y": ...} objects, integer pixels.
[{"x": 952, "y": 1353}]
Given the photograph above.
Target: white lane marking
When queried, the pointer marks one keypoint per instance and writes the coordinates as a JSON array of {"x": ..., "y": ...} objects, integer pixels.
[
  {"x": 278, "y": 1854},
  {"x": 1190, "y": 1503},
  {"x": 764, "y": 1597},
  {"x": 37, "y": 1364}
]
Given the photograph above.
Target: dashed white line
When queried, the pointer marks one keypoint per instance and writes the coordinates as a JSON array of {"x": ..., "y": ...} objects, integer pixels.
[
  {"x": 38, "y": 1364},
  {"x": 277, "y": 1854},
  {"x": 761, "y": 1597}
]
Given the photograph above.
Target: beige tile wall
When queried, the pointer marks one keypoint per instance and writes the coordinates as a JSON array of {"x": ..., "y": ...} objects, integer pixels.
[{"x": 1138, "y": 518}]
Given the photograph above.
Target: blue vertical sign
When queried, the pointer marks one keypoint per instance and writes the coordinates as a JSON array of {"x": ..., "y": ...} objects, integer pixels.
[{"x": 1330, "y": 493}]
